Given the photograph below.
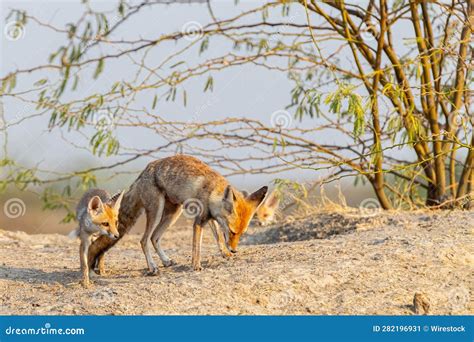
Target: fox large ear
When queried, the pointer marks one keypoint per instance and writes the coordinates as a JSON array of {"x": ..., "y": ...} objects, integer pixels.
[
  {"x": 272, "y": 200},
  {"x": 116, "y": 200},
  {"x": 229, "y": 198},
  {"x": 257, "y": 197},
  {"x": 95, "y": 206}
]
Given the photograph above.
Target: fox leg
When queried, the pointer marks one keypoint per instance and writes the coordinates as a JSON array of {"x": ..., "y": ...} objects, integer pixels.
[
  {"x": 100, "y": 265},
  {"x": 171, "y": 213},
  {"x": 154, "y": 212},
  {"x": 84, "y": 249},
  {"x": 197, "y": 240},
  {"x": 221, "y": 244}
]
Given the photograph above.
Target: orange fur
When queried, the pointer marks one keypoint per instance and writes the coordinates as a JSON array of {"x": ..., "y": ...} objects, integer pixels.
[
  {"x": 239, "y": 221},
  {"x": 97, "y": 214},
  {"x": 107, "y": 215}
]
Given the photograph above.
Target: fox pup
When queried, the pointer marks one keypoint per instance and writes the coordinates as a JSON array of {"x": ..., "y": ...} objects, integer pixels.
[
  {"x": 167, "y": 187},
  {"x": 97, "y": 214},
  {"x": 266, "y": 211}
]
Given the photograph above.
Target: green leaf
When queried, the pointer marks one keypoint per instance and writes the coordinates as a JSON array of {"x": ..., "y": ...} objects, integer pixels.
[
  {"x": 64, "y": 81},
  {"x": 99, "y": 68},
  {"x": 185, "y": 98},
  {"x": 209, "y": 84},
  {"x": 175, "y": 65},
  {"x": 204, "y": 45},
  {"x": 103, "y": 142},
  {"x": 41, "y": 82},
  {"x": 76, "y": 82},
  {"x": 121, "y": 8}
]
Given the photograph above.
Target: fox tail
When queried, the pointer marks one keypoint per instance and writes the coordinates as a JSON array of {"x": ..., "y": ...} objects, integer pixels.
[{"x": 74, "y": 234}]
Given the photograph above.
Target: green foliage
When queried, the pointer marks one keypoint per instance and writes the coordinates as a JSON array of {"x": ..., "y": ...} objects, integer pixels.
[
  {"x": 103, "y": 142},
  {"x": 8, "y": 83},
  {"x": 121, "y": 8},
  {"x": 54, "y": 200},
  {"x": 17, "y": 176},
  {"x": 87, "y": 180},
  {"x": 99, "y": 68},
  {"x": 355, "y": 107},
  {"x": 209, "y": 84},
  {"x": 343, "y": 101},
  {"x": 375, "y": 153},
  {"x": 204, "y": 45},
  {"x": 155, "y": 100},
  {"x": 171, "y": 94},
  {"x": 40, "y": 82},
  {"x": 278, "y": 142},
  {"x": 21, "y": 16},
  {"x": 307, "y": 102},
  {"x": 185, "y": 98}
]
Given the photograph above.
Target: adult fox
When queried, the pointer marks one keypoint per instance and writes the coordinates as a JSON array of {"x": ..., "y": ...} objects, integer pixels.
[{"x": 163, "y": 189}]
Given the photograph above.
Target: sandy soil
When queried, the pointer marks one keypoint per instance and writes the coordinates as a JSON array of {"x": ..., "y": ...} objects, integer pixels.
[{"x": 330, "y": 263}]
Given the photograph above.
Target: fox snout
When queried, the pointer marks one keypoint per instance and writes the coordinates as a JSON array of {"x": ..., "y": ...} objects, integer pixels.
[
  {"x": 114, "y": 236},
  {"x": 233, "y": 242}
]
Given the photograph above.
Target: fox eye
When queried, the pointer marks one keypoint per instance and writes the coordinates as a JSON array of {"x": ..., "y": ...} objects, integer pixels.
[{"x": 105, "y": 224}]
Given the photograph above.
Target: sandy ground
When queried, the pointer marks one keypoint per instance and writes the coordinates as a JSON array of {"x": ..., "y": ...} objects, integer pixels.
[{"x": 330, "y": 263}]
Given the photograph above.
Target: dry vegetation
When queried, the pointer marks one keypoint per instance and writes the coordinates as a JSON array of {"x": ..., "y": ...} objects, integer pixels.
[{"x": 333, "y": 262}]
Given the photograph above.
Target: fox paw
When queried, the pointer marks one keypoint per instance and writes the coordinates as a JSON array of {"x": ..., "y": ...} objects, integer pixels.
[
  {"x": 153, "y": 272},
  {"x": 101, "y": 272},
  {"x": 197, "y": 267},
  {"x": 227, "y": 254},
  {"x": 169, "y": 262},
  {"x": 86, "y": 284}
]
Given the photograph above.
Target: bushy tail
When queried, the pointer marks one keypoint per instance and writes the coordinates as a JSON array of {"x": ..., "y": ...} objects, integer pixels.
[{"x": 74, "y": 234}]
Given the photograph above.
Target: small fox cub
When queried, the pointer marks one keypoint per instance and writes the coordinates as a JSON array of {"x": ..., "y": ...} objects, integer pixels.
[
  {"x": 97, "y": 214},
  {"x": 265, "y": 213}
]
